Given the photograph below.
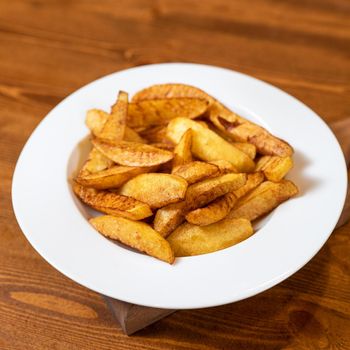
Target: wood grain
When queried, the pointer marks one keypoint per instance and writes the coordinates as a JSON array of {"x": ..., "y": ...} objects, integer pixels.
[{"x": 50, "y": 48}]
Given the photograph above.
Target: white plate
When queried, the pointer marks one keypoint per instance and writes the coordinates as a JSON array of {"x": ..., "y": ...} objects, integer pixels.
[{"x": 54, "y": 223}]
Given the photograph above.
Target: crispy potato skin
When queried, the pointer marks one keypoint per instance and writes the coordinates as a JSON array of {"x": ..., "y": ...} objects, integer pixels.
[
  {"x": 214, "y": 212},
  {"x": 196, "y": 171},
  {"x": 225, "y": 167},
  {"x": 134, "y": 234},
  {"x": 132, "y": 153},
  {"x": 188, "y": 239},
  {"x": 159, "y": 111},
  {"x": 155, "y": 189},
  {"x": 171, "y": 91},
  {"x": 274, "y": 168},
  {"x": 263, "y": 199},
  {"x": 207, "y": 145},
  {"x": 112, "y": 203},
  {"x": 113, "y": 177},
  {"x": 202, "y": 193},
  {"x": 169, "y": 217},
  {"x": 242, "y": 130},
  {"x": 182, "y": 151},
  {"x": 253, "y": 181}
]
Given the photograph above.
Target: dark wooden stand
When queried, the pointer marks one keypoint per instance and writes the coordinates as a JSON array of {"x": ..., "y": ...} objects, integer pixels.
[{"x": 135, "y": 317}]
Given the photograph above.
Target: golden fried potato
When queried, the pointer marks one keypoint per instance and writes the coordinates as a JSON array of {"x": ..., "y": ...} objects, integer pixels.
[
  {"x": 248, "y": 148},
  {"x": 263, "y": 199},
  {"x": 225, "y": 167},
  {"x": 182, "y": 151},
  {"x": 169, "y": 217},
  {"x": 253, "y": 181},
  {"x": 155, "y": 134},
  {"x": 160, "y": 111},
  {"x": 196, "y": 171},
  {"x": 166, "y": 146},
  {"x": 188, "y": 239},
  {"x": 207, "y": 145},
  {"x": 113, "y": 177},
  {"x": 242, "y": 130},
  {"x": 135, "y": 234},
  {"x": 171, "y": 91},
  {"x": 96, "y": 162},
  {"x": 114, "y": 127},
  {"x": 155, "y": 189},
  {"x": 132, "y": 153},
  {"x": 274, "y": 168},
  {"x": 213, "y": 212},
  {"x": 202, "y": 193},
  {"x": 112, "y": 203},
  {"x": 96, "y": 119}
]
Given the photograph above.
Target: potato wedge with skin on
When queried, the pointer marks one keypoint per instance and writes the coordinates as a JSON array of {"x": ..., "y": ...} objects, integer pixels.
[
  {"x": 160, "y": 111},
  {"x": 132, "y": 153},
  {"x": 112, "y": 203},
  {"x": 189, "y": 240},
  {"x": 225, "y": 167},
  {"x": 274, "y": 168},
  {"x": 263, "y": 199},
  {"x": 134, "y": 234},
  {"x": 248, "y": 148},
  {"x": 213, "y": 212},
  {"x": 196, "y": 171},
  {"x": 113, "y": 177},
  {"x": 155, "y": 189},
  {"x": 168, "y": 218},
  {"x": 208, "y": 146},
  {"x": 202, "y": 193},
  {"x": 96, "y": 162},
  {"x": 171, "y": 91},
  {"x": 253, "y": 181},
  {"x": 182, "y": 151},
  {"x": 156, "y": 134},
  {"x": 221, "y": 207},
  {"x": 96, "y": 119},
  {"x": 242, "y": 130},
  {"x": 114, "y": 127}
]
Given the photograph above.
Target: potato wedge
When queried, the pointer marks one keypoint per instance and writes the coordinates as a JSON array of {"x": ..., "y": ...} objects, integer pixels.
[
  {"x": 274, "y": 168},
  {"x": 196, "y": 171},
  {"x": 135, "y": 234},
  {"x": 189, "y": 240},
  {"x": 114, "y": 127},
  {"x": 263, "y": 199},
  {"x": 132, "y": 153},
  {"x": 202, "y": 193},
  {"x": 156, "y": 134},
  {"x": 171, "y": 91},
  {"x": 112, "y": 203},
  {"x": 155, "y": 189},
  {"x": 242, "y": 130},
  {"x": 159, "y": 111},
  {"x": 248, "y": 148},
  {"x": 166, "y": 146},
  {"x": 208, "y": 146},
  {"x": 253, "y": 181},
  {"x": 182, "y": 151},
  {"x": 169, "y": 217},
  {"x": 213, "y": 212},
  {"x": 113, "y": 177},
  {"x": 96, "y": 119},
  {"x": 96, "y": 162},
  {"x": 225, "y": 167}
]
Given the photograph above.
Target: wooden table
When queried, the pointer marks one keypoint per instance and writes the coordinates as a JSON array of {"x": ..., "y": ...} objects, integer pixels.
[{"x": 50, "y": 48}]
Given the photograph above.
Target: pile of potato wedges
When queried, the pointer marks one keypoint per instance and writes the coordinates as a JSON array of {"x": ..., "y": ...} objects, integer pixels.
[{"x": 176, "y": 173}]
